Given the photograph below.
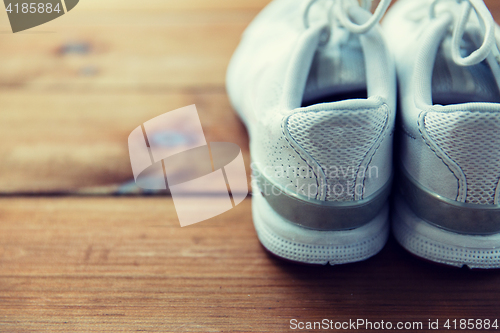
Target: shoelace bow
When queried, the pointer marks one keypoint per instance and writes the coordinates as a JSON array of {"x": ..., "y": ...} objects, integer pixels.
[
  {"x": 487, "y": 25},
  {"x": 340, "y": 12}
]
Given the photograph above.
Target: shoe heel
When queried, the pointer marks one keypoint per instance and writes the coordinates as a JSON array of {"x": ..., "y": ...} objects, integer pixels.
[
  {"x": 442, "y": 246},
  {"x": 292, "y": 242}
]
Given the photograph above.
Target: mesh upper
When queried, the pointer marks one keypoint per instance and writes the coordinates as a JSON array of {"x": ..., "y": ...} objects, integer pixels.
[
  {"x": 471, "y": 140},
  {"x": 339, "y": 141}
]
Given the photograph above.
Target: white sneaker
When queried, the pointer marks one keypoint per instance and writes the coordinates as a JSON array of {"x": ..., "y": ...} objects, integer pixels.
[
  {"x": 322, "y": 161},
  {"x": 449, "y": 75}
]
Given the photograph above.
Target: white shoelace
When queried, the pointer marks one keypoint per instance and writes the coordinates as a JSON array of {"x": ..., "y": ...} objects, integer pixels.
[
  {"x": 487, "y": 25},
  {"x": 341, "y": 9}
]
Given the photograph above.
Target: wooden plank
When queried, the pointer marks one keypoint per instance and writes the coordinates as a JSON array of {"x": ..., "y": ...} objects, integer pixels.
[
  {"x": 123, "y": 51},
  {"x": 71, "y": 98},
  {"x": 171, "y": 5},
  {"x": 107, "y": 264},
  {"x": 59, "y": 142}
]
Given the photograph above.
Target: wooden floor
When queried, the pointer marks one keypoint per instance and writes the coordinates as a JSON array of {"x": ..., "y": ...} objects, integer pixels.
[{"x": 71, "y": 91}]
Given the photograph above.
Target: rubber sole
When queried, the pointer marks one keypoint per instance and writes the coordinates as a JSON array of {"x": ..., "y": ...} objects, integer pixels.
[
  {"x": 292, "y": 242},
  {"x": 442, "y": 246}
]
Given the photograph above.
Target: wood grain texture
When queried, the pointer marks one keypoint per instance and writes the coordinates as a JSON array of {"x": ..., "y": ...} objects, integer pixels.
[
  {"x": 80, "y": 140},
  {"x": 124, "y": 264},
  {"x": 72, "y": 90},
  {"x": 103, "y": 51}
]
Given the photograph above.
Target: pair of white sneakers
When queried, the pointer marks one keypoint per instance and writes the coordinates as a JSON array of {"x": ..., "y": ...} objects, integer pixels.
[{"x": 316, "y": 84}]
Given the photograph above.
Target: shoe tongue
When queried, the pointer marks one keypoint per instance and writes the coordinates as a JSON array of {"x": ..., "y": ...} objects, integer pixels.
[{"x": 337, "y": 68}]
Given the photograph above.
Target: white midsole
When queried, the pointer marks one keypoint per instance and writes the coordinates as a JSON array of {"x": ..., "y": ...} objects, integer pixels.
[
  {"x": 430, "y": 242},
  {"x": 296, "y": 243}
]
